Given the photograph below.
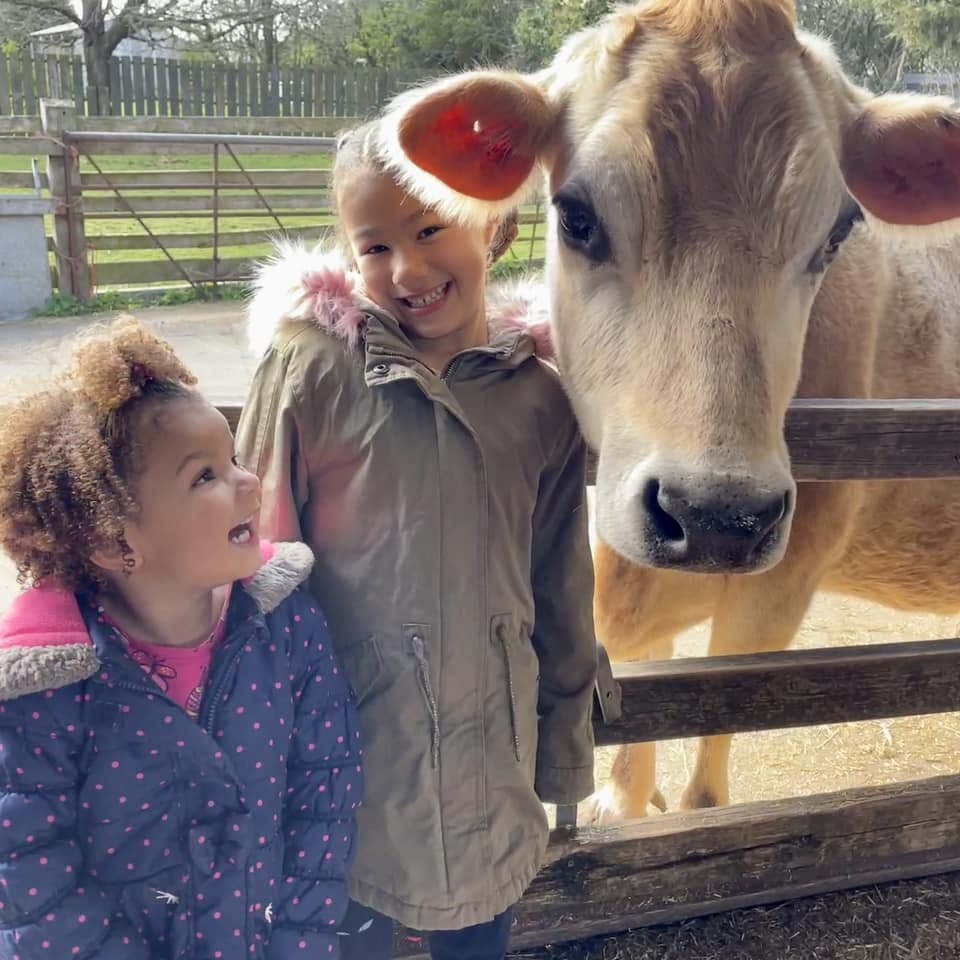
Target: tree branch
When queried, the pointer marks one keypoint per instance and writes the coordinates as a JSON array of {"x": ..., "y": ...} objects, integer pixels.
[
  {"x": 122, "y": 25},
  {"x": 64, "y": 10}
]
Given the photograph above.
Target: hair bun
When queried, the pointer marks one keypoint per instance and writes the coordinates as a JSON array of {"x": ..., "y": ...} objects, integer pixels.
[{"x": 117, "y": 364}]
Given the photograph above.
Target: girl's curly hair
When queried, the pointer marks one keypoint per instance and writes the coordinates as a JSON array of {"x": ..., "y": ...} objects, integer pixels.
[{"x": 69, "y": 455}]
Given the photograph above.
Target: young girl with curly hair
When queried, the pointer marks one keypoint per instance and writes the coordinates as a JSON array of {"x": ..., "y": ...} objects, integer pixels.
[{"x": 179, "y": 765}]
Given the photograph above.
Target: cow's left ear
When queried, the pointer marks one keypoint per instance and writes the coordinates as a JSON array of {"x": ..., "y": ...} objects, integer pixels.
[
  {"x": 901, "y": 159},
  {"x": 469, "y": 144}
]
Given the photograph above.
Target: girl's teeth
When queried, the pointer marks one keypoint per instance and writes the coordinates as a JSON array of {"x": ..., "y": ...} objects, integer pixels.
[
  {"x": 428, "y": 299},
  {"x": 241, "y": 536}
]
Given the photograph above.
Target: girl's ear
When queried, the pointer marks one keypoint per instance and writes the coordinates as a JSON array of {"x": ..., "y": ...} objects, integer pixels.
[
  {"x": 117, "y": 559},
  {"x": 503, "y": 232}
]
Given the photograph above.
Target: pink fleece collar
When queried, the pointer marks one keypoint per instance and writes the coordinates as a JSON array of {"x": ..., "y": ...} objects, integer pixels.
[{"x": 47, "y": 616}]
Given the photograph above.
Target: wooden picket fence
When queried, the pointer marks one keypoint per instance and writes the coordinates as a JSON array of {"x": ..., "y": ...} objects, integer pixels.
[{"x": 155, "y": 87}]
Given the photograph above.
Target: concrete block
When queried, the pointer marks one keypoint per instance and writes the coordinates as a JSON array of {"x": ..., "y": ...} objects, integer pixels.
[{"x": 24, "y": 265}]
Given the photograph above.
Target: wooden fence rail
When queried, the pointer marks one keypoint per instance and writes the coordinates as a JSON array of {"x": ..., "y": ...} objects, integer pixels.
[{"x": 156, "y": 87}]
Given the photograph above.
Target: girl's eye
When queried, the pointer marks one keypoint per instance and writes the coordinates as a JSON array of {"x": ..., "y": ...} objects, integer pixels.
[
  {"x": 204, "y": 477},
  {"x": 430, "y": 231},
  {"x": 375, "y": 249}
]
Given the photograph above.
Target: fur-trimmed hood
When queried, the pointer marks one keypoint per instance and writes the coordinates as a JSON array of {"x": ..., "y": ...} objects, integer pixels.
[
  {"x": 44, "y": 642},
  {"x": 302, "y": 285}
]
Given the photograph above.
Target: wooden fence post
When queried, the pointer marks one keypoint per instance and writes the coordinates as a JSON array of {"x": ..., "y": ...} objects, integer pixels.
[{"x": 59, "y": 117}]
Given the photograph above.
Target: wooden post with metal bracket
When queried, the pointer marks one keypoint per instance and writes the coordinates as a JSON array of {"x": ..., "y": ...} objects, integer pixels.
[{"x": 59, "y": 118}]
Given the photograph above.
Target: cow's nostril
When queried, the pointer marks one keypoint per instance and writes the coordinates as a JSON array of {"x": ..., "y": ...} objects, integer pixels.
[
  {"x": 667, "y": 527},
  {"x": 712, "y": 527}
]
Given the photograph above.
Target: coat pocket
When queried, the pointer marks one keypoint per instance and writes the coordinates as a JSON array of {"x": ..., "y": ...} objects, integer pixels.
[
  {"x": 417, "y": 636},
  {"x": 522, "y": 676},
  {"x": 363, "y": 665}
]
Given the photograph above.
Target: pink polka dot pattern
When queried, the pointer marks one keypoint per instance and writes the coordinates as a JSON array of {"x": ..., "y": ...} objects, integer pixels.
[{"x": 135, "y": 833}]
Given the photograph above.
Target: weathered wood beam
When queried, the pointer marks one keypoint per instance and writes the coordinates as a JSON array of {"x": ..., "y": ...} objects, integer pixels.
[
  {"x": 862, "y": 439},
  {"x": 691, "y": 697},
  {"x": 670, "y": 868}
]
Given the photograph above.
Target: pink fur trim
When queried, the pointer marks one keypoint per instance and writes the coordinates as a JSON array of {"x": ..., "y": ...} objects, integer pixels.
[
  {"x": 332, "y": 291},
  {"x": 514, "y": 320},
  {"x": 542, "y": 340}
]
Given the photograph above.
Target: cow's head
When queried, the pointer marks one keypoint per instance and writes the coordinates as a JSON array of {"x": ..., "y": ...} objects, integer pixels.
[{"x": 704, "y": 161}]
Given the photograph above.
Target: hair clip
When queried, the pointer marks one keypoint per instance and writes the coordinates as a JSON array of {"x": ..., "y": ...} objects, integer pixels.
[{"x": 140, "y": 375}]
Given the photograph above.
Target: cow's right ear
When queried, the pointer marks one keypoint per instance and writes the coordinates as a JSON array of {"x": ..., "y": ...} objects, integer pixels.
[
  {"x": 469, "y": 144},
  {"x": 901, "y": 161}
]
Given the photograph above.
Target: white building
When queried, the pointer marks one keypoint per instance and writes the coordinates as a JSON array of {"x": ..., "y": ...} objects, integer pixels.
[{"x": 67, "y": 38}]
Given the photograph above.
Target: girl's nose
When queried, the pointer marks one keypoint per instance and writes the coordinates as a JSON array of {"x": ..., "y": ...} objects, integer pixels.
[
  {"x": 249, "y": 483},
  {"x": 409, "y": 271}
]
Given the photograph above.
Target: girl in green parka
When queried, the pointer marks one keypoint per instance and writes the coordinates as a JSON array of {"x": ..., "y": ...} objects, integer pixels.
[{"x": 403, "y": 425}]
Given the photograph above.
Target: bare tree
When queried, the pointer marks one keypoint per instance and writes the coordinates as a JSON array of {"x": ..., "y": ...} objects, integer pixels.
[{"x": 104, "y": 24}]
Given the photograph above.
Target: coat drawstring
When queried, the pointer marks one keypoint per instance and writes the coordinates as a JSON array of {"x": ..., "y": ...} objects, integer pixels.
[
  {"x": 423, "y": 669},
  {"x": 502, "y": 637}
]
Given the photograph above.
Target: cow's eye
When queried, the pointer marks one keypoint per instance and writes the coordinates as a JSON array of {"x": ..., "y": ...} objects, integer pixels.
[
  {"x": 848, "y": 219},
  {"x": 580, "y": 227}
]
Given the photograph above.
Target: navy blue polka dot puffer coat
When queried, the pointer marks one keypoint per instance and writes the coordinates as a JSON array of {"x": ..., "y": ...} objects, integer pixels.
[{"x": 129, "y": 831}]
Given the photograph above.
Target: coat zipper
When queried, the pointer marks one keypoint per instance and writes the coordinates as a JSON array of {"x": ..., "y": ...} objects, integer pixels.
[
  {"x": 423, "y": 669},
  {"x": 502, "y": 637},
  {"x": 450, "y": 369},
  {"x": 214, "y": 692},
  {"x": 210, "y": 713}
]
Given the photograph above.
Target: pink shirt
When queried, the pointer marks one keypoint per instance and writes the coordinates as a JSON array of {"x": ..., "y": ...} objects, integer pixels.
[{"x": 180, "y": 672}]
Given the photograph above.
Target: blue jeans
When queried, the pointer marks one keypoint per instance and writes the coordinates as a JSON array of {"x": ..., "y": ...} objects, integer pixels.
[{"x": 368, "y": 935}]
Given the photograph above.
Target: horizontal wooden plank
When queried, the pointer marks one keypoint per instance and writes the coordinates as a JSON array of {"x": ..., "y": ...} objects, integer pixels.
[
  {"x": 24, "y": 146},
  {"x": 850, "y": 439},
  {"x": 175, "y": 148},
  {"x": 869, "y": 439},
  {"x": 204, "y": 241},
  {"x": 179, "y": 215},
  {"x": 20, "y": 181},
  {"x": 691, "y": 697},
  {"x": 157, "y": 271},
  {"x": 20, "y": 125},
  {"x": 267, "y": 126},
  {"x": 317, "y": 203},
  {"x": 673, "y": 867},
  {"x": 874, "y": 439},
  {"x": 26, "y": 205},
  {"x": 203, "y": 179}
]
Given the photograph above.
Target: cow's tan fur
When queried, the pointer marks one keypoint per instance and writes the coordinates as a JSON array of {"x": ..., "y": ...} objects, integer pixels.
[{"x": 714, "y": 138}]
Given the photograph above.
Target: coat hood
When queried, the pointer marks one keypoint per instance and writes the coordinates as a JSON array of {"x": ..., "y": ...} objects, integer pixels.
[
  {"x": 44, "y": 643},
  {"x": 319, "y": 286}
]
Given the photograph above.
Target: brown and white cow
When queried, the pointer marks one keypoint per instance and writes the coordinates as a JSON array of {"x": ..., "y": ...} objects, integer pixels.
[{"x": 709, "y": 167}]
